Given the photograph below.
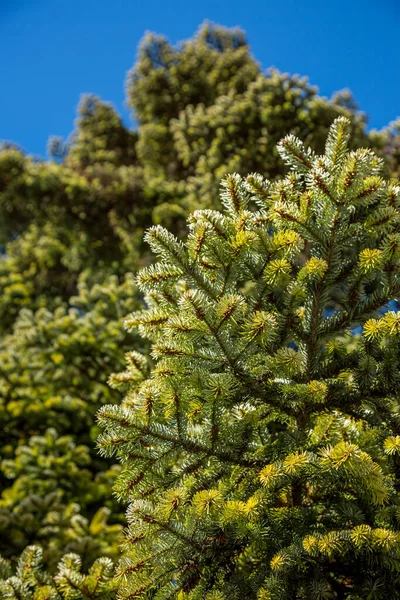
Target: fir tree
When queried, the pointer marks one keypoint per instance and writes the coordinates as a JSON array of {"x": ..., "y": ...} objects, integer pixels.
[{"x": 259, "y": 449}]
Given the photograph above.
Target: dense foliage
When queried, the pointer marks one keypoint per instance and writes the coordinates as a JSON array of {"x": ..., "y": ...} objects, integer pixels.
[
  {"x": 260, "y": 453},
  {"x": 71, "y": 235},
  {"x": 32, "y": 582}
]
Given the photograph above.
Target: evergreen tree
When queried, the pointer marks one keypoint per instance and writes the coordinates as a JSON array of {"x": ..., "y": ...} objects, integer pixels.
[
  {"x": 205, "y": 109},
  {"x": 71, "y": 232},
  {"x": 259, "y": 449}
]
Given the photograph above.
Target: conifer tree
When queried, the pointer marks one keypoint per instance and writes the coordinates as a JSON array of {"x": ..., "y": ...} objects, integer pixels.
[
  {"x": 259, "y": 449},
  {"x": 71, "y": 232},
  {"x": 205, "y": 108}
]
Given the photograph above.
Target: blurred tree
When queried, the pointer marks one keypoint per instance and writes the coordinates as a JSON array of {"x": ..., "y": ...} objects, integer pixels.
[
  {"x": 392, "y": 146},
  {"x": 205, "y": 109},
  {"x": 54, "y": 366},
  {"x": 100, "y": 137}
]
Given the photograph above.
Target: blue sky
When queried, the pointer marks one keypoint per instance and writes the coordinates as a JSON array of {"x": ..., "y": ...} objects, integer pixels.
[{"x": 54, "y": 50}]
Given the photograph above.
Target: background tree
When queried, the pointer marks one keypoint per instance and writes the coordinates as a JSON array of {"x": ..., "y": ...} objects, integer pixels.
[
  {"x": 206, "y": 109},
  {"x": 53, "y": 378}
]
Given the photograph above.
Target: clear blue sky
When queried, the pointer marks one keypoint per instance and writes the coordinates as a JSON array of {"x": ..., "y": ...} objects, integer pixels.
[{"x": 54, "y": 50}]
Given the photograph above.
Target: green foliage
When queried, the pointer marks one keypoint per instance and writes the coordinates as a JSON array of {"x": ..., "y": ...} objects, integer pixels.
[
  {"x": 53, "y": 378},
  {"x": 51, "y": 474},
  {"x": 66, "y": 222},
  {"x": 100, "y": 138},
  {"x": 55, "y": 364},
  {"x": 71, "y": 232},
  {"x": 206, "y": 109},
  {"x": 258, "y": 451},
  {"x": 166, "y": 80},
  {"x": 391, "y": 147},
  {"x": 31, "y": 582}
]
